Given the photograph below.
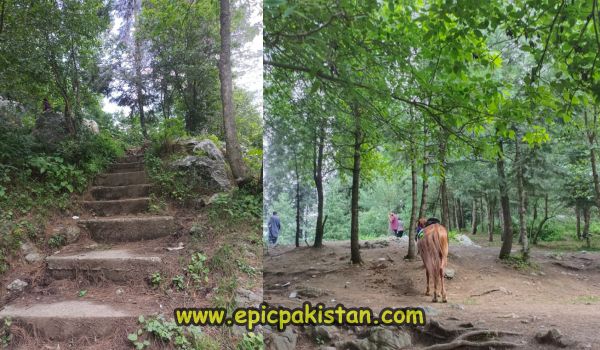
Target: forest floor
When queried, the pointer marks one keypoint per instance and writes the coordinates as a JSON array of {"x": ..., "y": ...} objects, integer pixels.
[{"x": 557, "y": 290}]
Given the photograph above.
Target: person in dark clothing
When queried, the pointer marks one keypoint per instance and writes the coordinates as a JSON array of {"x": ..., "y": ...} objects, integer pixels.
[
  {"x": 47, "y": 106},
  {"x": 274, "y": 228}
]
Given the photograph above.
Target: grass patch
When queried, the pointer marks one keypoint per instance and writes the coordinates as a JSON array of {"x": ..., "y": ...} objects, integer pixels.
[
  {"x": 518, "y": 263},
  {"x": 586, "y": 299},
  {"x": 470, "y": 301}
]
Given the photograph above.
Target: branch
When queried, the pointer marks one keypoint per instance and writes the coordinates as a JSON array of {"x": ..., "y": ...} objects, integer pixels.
[{"x": 541, "y": 62}]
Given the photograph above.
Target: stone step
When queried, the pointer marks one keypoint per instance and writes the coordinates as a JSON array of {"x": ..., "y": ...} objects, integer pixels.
[
  {"x": 118, "y": 265},
  {"x": 67, "y": 320},
  {"x": 126, "y": 167},
  {"x": 129, "y": 229},
  {"x": 121, "y": 179},
  {"x": 118, "y": 207},
  {"x": 120, "y": 192},
  {"x": 131, "y": 158}
]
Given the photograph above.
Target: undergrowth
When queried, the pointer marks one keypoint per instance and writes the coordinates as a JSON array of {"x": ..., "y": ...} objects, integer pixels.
[{"x": 35, "y": 181}]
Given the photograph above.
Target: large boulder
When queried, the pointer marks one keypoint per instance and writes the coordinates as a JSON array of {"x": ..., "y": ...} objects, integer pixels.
[
  {"x": 91, "y": 125},
  {"x": 50, "y": 129},
  {"x": 206, "y": 164},
  {"x": 11, "y": 113}
]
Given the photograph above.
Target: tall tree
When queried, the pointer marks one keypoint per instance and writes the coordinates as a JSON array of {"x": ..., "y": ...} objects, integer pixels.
[{"x": 233, "y": 150}]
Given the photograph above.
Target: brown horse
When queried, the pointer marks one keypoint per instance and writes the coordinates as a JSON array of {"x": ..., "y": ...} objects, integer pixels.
[{"x": 433, "y": 247}]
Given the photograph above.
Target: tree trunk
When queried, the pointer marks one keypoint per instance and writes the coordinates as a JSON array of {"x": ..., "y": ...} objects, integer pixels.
[
  {"x": 354, "y": 237},
  {"x": 456, "y": 211},
  {"x": 591, "y": 136},
  {"x": 461, "y": 215},
  {"x": 578, "y": 216},
  {"x": 297, "y": 204},
  {"x": 543, "y": 222},
  {"x": 413, "y": 211},
  {"x": 318, "y": 178},
  {"x": 474, "y": 217},
  {"x": 505, "y": 205},
  {"x": 490, "y": 214},
  {"x": 443, "y": 185},
  {"x": 521, "y": 196},
  {"x": 586, "y": 224},
  {"x": 233, "y": 150},
  {"x": 139, "y": 89},
  {"x": 424, "y": 188},
  {"x": 481, "y": 213}
]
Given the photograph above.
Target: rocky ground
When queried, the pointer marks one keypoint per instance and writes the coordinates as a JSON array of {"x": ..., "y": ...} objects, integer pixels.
[{"x": 556, "y": 300}]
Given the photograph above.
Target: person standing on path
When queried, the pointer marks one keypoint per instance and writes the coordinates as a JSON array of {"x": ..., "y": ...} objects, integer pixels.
[
  {"x": 274, "y": 228},
  {"x": 400, "y": 231},
  {"x": 395, "y": 224}
]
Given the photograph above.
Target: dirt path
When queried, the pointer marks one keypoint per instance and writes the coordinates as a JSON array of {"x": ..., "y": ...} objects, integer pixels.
[{"x": 562, "y": 292}]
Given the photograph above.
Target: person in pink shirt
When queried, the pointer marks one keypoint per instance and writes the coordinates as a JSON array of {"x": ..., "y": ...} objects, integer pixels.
[{"x": 396, "y": 225}]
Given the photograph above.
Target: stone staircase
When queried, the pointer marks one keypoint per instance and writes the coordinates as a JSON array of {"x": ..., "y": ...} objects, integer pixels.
[{"x": 117, "y": 204}]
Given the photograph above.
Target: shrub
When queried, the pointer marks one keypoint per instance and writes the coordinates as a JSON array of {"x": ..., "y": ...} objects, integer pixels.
[{"x": 164, "y": 137}]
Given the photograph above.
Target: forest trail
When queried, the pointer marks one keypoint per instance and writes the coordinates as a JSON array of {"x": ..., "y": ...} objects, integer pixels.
[
  {"x": 92, "y": 292},
  {"x": 561, "y": 291}
]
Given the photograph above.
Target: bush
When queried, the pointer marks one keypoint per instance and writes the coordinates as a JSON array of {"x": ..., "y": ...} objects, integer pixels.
[
  {"x": 169, "y": 183},
  {"x": 165, "y": 135},
  {"x": 35, "y": 181}
]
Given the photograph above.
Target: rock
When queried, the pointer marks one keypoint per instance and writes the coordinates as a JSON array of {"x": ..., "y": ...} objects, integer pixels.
[
  {"x": 457, "y": 306},
  {"x": 11, "y": 113},
  {"x": 323, "y": 333},
  {"x": 293, "y": 294},
  {"x": 91, "y": 125},
  {"x": 196, "y": 230},
  {"x": 326, "y": 347},
  {"x": 465, "y": 240},
  {"x": 17, "y": 285},
  {"x": 310, "y": 292},
  {"x": 552, "y": 337},
  {"x": 430, "y": 311},
  {"x": 119, "y": 291},
  {"x": 50, "y": 129},
  {"x": 205, "y": 172},
  {"x": 247, "y": 298},
  {"x": 31, "y": 253},
  {"x": 275, "y": 340},
  {"x": 71, "y": 233},
  {"x": 449, "y": 273},
  {"x": 208, "y": 148},
  {"x": 381, "y": 339},
  {"x": 33, "y": 258}
]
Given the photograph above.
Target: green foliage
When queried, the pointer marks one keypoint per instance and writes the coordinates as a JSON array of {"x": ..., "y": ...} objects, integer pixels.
[
  {"x": 197, "y": 269},
  {"x": 155, "y": 279},
  {"x": 245, "y": 268},
  {"x": 167, "y": 132},
  {"x": 239, "y": 206},
  {"x": 223, "y": 260},
  {"x": 81, "y": 293},
  {"x": 168, "y": 183},
  {"x": 56, "y": 241},
  {"x": 251, "y": 341},
  {"x": 224, "y": 296},
  {"x": 168, "y": 332},
  {"x": 178, "y": 282},
  {"x": 5, "y": 334}
]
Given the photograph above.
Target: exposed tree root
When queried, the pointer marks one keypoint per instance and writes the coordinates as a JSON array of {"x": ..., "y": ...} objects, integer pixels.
[
  {"x": 457, "y": 338},
  {"x": 461, "y": 343}
]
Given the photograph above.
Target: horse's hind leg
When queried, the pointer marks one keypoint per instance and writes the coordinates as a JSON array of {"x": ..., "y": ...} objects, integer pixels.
[
  {"x": 435, "y": 287},
  {"x": 443, "y": 291},
  {"x": 427, "y": 292}
]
